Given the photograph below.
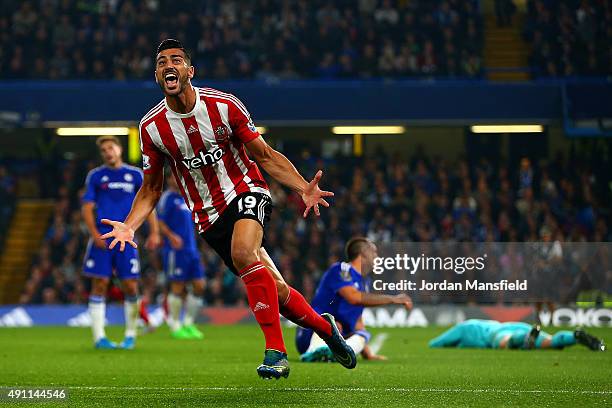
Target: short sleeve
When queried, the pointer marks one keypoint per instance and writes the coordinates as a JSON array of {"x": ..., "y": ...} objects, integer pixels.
[
  {"x": 139, "y": 179},
  {"x": 152, "y": 157},
  {"x": 90, "y": 188},
  {"x": 339, "y": 278},
  {"x": 240, "y": 121}
]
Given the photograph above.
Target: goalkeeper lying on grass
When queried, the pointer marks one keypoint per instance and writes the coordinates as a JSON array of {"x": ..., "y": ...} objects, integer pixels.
[{"x": 475, "y": 333}]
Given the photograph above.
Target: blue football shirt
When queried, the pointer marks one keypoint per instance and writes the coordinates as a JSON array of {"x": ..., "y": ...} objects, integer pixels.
[
  {"x": 328, "y": 300},
  {"x": 113, "y": 191},
  {"x": 173, "y": 211}
]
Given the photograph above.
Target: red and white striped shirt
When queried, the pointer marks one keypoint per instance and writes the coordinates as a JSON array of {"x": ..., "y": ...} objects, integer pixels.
[{"x": 205, "y": 150}]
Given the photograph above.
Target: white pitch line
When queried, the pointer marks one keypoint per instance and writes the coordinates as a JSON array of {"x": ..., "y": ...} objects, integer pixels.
[
  {"x": 333, "y": 389},
  {"x": 378, "y": 341}
]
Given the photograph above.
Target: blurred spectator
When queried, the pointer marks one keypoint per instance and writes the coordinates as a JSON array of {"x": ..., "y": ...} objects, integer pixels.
[
  {"x": 266, "y": 40},
  {"x": 569, "y": 38}
]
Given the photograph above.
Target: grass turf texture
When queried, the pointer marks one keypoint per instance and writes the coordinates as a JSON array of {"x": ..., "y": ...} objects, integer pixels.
[{"x": 219, "y": 371}]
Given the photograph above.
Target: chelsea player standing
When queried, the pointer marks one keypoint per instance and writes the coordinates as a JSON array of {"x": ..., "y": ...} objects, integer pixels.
[
  {"x": 109, "y": 192},
  {"x": 182, "y": 262}
]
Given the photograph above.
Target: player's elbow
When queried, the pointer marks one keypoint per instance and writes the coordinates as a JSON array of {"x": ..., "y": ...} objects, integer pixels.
[
  {"x": 151, "y": 193},
  {"x": 156, "y": 195},
  {"x": 265, "y": 156},
  {"x": 353, "y": 300},
  {"x": 87, "y": 208}
]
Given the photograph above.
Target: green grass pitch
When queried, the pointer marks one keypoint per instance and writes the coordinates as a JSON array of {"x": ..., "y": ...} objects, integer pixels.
[{"x": 220, "y": 371}]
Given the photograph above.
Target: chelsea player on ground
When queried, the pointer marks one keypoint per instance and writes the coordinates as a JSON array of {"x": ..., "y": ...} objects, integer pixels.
[
  {"x": 109, "y": 192},
  {"x": 182, "y": 262},
  {"x": 342, "y": 292},
  {"x": 476, "y": 333}
]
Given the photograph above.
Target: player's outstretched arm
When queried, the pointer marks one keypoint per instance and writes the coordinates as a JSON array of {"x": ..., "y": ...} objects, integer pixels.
[
  {"x": 283, "y": 171},
  {"x": 145, "y": 201},
  {"x": 356, "y": 297}
]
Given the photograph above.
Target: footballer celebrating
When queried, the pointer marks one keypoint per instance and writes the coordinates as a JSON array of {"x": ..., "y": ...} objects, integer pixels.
[
  {"x": 204, "y": 135},
  {"x": 109, "y": 192}
]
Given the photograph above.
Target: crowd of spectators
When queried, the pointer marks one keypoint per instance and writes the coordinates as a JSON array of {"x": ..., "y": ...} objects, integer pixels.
[
  {"x": 386, "y": 198},
  {"x": 292, "y": 39},
  {"x": 570, "y": 38},
  {"x": 255, "y": 39}
]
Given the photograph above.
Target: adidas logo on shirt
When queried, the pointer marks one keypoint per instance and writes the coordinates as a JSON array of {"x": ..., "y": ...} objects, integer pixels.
[
  {"x": 191, "y": 130},
  {"x": 248, "y": 211},
  {"x": 260, "y": 306}
]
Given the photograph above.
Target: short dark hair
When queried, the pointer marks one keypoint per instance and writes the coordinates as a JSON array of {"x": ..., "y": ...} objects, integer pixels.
[
  {"x": 170, "y": 43},
  {"x": 355, "y": 247}
]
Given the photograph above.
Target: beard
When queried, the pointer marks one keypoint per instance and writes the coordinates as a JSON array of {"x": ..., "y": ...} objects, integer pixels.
[{"x": 173, "y": 88}]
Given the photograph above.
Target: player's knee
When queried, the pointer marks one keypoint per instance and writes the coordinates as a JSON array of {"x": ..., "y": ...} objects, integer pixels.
[
  {"x": 282, "y": 288},
  {"x": 99, "y": 286},
  {"x": 177, "y": 288},
  {"x": 243, "y": 256},
  {"x": 130, "y": 287},
  {"x": 198, "y": 286},
  {"x": 131, "y": 292}
]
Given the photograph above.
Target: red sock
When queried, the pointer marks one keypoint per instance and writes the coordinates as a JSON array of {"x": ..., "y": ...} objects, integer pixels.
[
  {"x": 263, "y": 300},
  {"x": 297, "y": 309},
  {"x": 144, "y": 313}
]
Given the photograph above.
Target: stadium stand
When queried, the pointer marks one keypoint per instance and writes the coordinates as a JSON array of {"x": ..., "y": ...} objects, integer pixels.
[
  {"x": 569, "y": 38},
  {"x": 266, "y": 40}
]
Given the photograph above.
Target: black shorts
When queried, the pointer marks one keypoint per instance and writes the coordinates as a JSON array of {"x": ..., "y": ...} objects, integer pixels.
[{"x": 254, "y": 206}]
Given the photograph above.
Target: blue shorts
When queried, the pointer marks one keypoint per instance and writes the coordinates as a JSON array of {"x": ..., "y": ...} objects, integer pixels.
[
  {"x": 100, "y": 263},
  {"x": 182, "y": 266}
]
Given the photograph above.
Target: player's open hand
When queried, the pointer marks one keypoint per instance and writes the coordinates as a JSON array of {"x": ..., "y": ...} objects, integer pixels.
[
  {"x": 376, "y": 357},
  {"x": 99, "y": 242},
  {"x": 313, "y": 195},
  {"x": 153, "y": 242},
  {"x": 121, "y": 234},
  {"x": 176, "y": 242},
  {"x": 404, "y": 300},
  {"x": 368, "y": 354}
]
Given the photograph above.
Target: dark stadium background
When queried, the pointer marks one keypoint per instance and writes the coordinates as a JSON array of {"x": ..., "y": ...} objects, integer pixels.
[{"x": 430, "y": 69}]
